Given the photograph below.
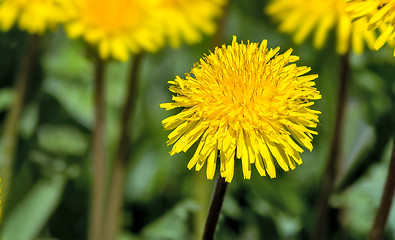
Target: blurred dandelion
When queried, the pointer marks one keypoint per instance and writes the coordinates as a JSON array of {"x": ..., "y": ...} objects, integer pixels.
[
  {"x": 33, "y": 16},
  {"x": 380, "y": 15},
  {"x": 116, "y": 27},
  {"x": 186, "y": 19},
  {"x": 301, "y": 17},
  {"x": 245, "y": 101}
]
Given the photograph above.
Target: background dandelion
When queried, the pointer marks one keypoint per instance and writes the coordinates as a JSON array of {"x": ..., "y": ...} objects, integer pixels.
[
  {"x": 32, "y": 16},
  {"x": 187, "y": 20},
  {"x": 302, "y": 18},
  {"x": 380, "y": 15},
  {"x": 115, "y": 27}
]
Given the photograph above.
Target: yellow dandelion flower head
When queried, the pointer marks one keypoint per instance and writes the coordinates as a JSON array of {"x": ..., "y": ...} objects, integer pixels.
[
  {"x": 34, "y": 16},
  {"x": 186, "y": 19},
  {"x": 302, "y": 17},
  {"x": 116, "y": 27},
  {"x": 380, "y": 15},
  {"x": 244, "y": 101}
]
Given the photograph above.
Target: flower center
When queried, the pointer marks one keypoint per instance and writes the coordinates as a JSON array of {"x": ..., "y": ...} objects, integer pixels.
[{"x": 113, "y": 15}]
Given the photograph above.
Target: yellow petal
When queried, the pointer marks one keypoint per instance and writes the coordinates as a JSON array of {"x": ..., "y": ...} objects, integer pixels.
[
  {"x": 343, "y": 34},
  {"x": 259, "y": 165},
  {"x": 211, "y": 164},
  {"x": 383, "y": 37}
]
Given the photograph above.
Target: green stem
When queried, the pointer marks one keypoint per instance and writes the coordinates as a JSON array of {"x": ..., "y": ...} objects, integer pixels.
[
  {"x": 218, "y": 37},
  {"x": 327, "y": 216},
  {"x": 11, "y": 126},
  {"x": 386, "y": 201},
  {"x": 215, "y": 208},
  {"x": 115, "y": 197},
  {"x": 99, "y": 155}
]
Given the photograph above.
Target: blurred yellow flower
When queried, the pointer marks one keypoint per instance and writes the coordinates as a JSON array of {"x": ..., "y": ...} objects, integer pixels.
[
  {"x": 185, "y": 19},
  {"x": 380, "y": 15},
  {"x": 301, "y": 17},
  {"x": 116, "y": 27},
  {"x": 245, "y": 101},
  {"x": 33, "y": 16}
]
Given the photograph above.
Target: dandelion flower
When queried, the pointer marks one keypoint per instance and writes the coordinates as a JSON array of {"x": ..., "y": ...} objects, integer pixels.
[
  {"x": 244, "y": 101},
  {"x": 186, "y": 19},
  {"x": 116, "y": 27},
  {"x": 33, "y": 16},
  {"x": 380, "y": 14},
  {"x": 301, "y": 17}
]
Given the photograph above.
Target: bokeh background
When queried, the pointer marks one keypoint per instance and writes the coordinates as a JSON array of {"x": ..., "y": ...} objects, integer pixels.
[{"x": 162, "y": 198}]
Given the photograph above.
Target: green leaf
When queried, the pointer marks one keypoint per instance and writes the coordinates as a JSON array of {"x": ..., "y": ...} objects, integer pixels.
[
  {"x": 62, "y": 139},
  {"x": 29, "y": 120},
  {"x": 359, "y": 138},
  {"x": 6, "y": 96},
  {"x": 281, "y": 200},
  {"x": 69, "y": 78},
  {"x": 361, "y": 200},
  {"x": 173, "y": 224},
  {"x": 232, "y": 208},
  {"x": 127, "y": 236},
  {"x": 75, "y": 97},
  {"x": 28, "y": 218}
]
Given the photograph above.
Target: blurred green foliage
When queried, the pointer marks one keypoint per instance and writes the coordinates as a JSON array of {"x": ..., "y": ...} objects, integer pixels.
[{"x": 51, "y": 187}]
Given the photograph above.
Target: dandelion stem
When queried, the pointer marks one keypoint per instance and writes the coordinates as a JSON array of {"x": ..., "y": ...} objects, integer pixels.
[
  {"x": 326, "y": 216},
  {"x": 386, "y": 201},
  {"x": 11, "y": 126},
  {"x": 114, "y": 204},
  {"x": 99, "y": 154},
  {"x": 218, "y": 37},
  {"x": 215, "y": 208}
]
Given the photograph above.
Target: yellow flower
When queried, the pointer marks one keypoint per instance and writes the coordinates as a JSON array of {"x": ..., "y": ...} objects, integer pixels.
[
  {"x": 185, "y": 19},
  {"x": 301, "y": 17},
  {"x": 116, "y": 27},
  {"x": 380, "y": 14},
  {"x": 245, "y": 101},
  {"x": 33, "y": 16}
]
